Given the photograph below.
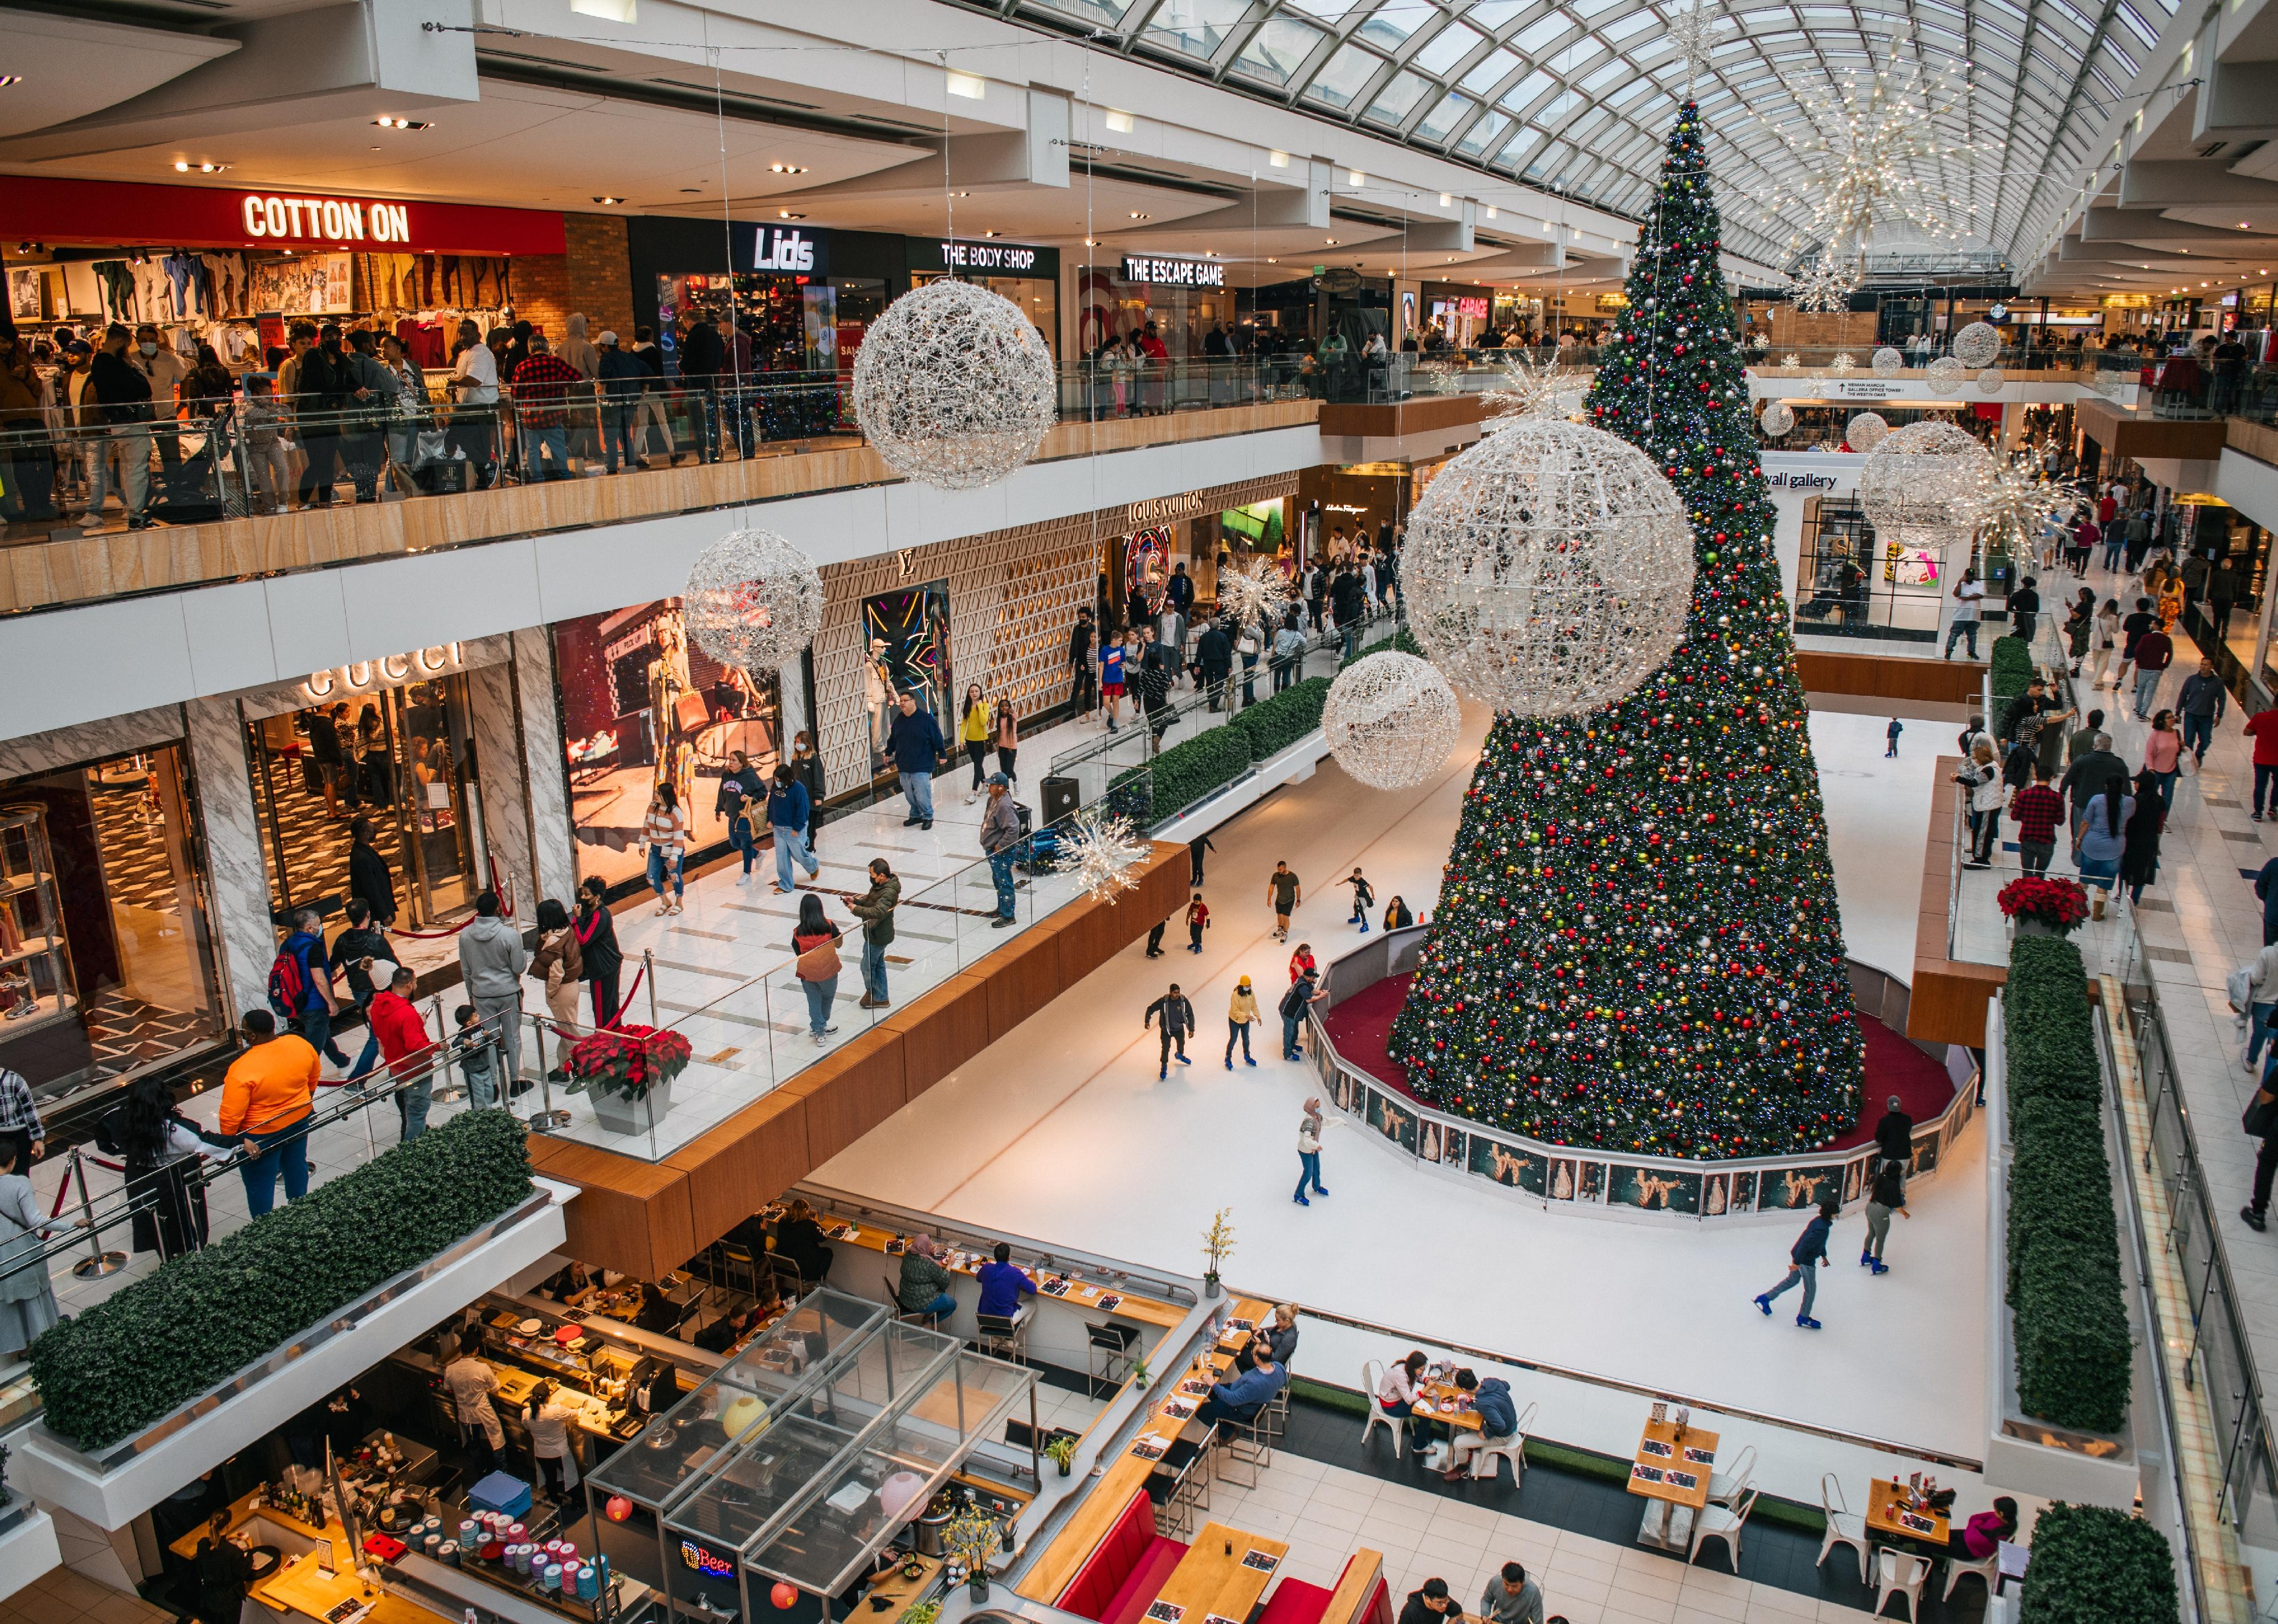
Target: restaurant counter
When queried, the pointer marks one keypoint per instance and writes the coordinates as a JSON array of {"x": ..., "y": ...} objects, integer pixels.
[{"x": 297, "y": 1586}]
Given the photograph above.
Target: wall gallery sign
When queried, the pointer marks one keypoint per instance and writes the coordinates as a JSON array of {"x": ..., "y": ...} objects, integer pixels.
[{"x": 1173, "y": 270}]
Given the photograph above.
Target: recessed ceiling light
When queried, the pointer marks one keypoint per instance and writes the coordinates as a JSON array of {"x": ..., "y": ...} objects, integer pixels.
[
  {"x": 1091, "y": 242},
  {"x": 608, "y": 200},
  {"x": 1332, "y": 242},
  {"x": 1272, "y": 262},
  {"x": 787, "y": 215},
  {"x": 206, "y": 167},
  {"x": 796, "y": 169},
  {"x": 1137, "y": 215},
  {"x": 6, "y": 79},
  {"x": 387, "y": 122},
  {"x": 988, "y": 233}
]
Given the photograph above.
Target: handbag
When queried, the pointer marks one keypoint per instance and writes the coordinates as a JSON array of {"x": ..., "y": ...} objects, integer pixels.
[
  {"x": 819, "y": 962},
  {"x": 2260, "y": 1115},
  {"x": 1247, "y": 647}
]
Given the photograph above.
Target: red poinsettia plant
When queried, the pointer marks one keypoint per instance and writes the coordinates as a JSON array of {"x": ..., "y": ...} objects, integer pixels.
[
  {"x": 629, "y": 1061},
  {"x": 2060, "y": 904}
]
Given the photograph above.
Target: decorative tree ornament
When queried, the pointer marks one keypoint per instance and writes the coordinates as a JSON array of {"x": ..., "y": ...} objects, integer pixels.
[
  {"x": 754, "y": 600},
  {"x": 1889, "y": 362},
  {"x": 1548, "y": 569},
  {"x": 1990, "y": 381},
  {"x": 1825, "y": 285},
  {"x": 1865, "y": 431},
  {"x": 1927, "y": 476},
  {"x": 1390, "y": 719},
  {"x": 1777, "y": 418},
  {"x": 1978, "y": 345},
  {"x": 1255, "y": 592},
  {"x": 1102, "y": 850},
  {"x": 1946, "y": 372},
  {"x": 954, "y": 386}
]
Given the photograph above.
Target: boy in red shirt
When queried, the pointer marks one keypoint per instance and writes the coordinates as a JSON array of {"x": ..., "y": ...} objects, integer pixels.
[
  {"x": 1197, "y": 922},
  {"x": 2262, "y": 728}
]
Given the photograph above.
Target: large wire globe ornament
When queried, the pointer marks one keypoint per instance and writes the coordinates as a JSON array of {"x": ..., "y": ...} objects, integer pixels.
[
  {"x": 754, "y": 600},
  {"x": 1390, "y": 719},
  {"x": 954, "y": 386},
  {"x": 1928, "y": 476},
  {"x": 1978, "y": 345},
  {"x": 1946, "y": 372},
  {"x": 1990, "y": 381},
  {"x": 1865, "y": 431},
  {"x": 1777, "y": 418},
  {"x": 1548, "y": 569},
  {"x": 1889, "y": 362}
]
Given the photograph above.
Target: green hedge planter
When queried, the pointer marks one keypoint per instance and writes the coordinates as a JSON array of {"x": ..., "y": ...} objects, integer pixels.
[
  {"x": 2009, "y": 665},
  {"x": 1272, "y": 725},
  {"x": 2092, "y": 1565},
  {"x": 1186, "y": 772},
  {"x": 200, "y": 1319},
  {"x": 2074, "y": 1354},
  {"x": 1398, "y": 643}
]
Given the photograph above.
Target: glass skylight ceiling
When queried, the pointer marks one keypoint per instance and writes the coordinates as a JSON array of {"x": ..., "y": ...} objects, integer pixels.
[{"x": 1576, "y": 94}]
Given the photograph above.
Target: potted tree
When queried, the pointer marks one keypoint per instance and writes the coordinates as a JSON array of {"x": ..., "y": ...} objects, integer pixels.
[
  {"x": 1217, "y": 1246},
  {"x": 628, "y": 1073},
  {"x": 2040, "y": 906}
]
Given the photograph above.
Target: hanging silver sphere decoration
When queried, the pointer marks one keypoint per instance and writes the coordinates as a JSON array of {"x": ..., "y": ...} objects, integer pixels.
[
  {"x": 1990, "y": 381},
  {"x": 1390, "y": 719},
  {"x": 954, "y": 386},
  {"x": 1927, "y": 476},
  {"x": 1978, "y": 345},
  {"x": 754, "y": 600},
  {"x": 1548, "y": 569},
  {"x": 1865, "y": 431},
  {"x": 1777, "y": 418},
  {"x": 1946, "y": 372},
  {"x": 1889, "y": 362}
]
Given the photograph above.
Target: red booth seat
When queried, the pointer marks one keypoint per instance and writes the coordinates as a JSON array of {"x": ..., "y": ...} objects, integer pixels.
[
  {"x": 1128, "y": 1569},
  {"x": 1296, "y": 1602}
]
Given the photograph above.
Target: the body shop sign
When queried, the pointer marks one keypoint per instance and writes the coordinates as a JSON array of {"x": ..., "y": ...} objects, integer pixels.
[
  {"x": 1008, "y": 258},
  {"x": 1173, "y": 270}
]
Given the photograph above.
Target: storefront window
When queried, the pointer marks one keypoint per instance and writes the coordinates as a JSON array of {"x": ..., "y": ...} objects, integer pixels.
[
  {"x": 395, "y": 756},
  {"x": 106, "y": 965},
  {"x": 641, "y": 703}
]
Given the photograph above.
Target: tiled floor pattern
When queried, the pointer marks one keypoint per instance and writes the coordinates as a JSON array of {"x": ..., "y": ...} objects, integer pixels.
[{"x": 61, "y": 1597}]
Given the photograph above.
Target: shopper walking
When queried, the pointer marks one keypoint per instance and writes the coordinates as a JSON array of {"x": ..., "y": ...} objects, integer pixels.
[
  {"x": 267, "y": 1096},
  {"x": 408, "y": 1053},
  {"x": 122, "y": 397},
  {"x": 972, "y": 732},
  {"x": 560, "y": 966},
  {"x": 665, "y": 833},
  {"x": 1083, "y": 681},
  {"x": 1304, "y": 993},
  {"x": 2154, "y": 651},
  {"x": 1006, "y": 727},
  {"x": 160, "y": 1148},
  {"x": 598, "y": 953},
  {"x": 1981, "y": 781},
  {"x": 1001, "y": 842},
  {"x": 876, "y": 908},
  {"x": 1240, "y": 1015},
  {"x": 492, "y": 959},
  {"x": 914, "y": 745},
  {"x": 2139, "y": 863},
  {"x": 1891, "y": 738},
  {"x": 2262, "y": 728},
  {"x": 1286, "y": 892},
  {"x": 1178, "y": 1017},
  {"x": 1886, "y": 1193},
  {"x": 28, "y": 1294},
  {"x": 623, "y": 377},
  {"x": 1309, "y": 1152},
  {"x": 1112, "y": 656},
  {"x": 2261, "y": 1122},
  {"x": 1803, "y": 1261},
  {"x": 1289, "y": 651},
  {"x": 2025, "y": 609},
  {"x": 788, "y": 812},
  {"x": 814, "y": 944},
  {"x": 741, "y": 787},
  {"x": 301, "y": 986},
  {"x": 2163, "y": 755},
  {"x": 2105, "y": 640},
  {"x": 2037, "y": 810},
  {"x": 2204, "y": 702},
  {"x": 542, "y": 390},
  {"x": 2104, "y": 842},
  {"x": 1969, "y": 601}
]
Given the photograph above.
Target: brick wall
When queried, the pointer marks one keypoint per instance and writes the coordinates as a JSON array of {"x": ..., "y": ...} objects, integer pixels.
[
  {"x": 595, "y": 276},
  {"x": 1822, "y": 330}
]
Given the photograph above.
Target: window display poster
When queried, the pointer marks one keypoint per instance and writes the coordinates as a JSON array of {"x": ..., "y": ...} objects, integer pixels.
[
  {"x": 303, "y": 285},
  {"x": 27, "y": 295},
  {"x": 906, "y": 635}
]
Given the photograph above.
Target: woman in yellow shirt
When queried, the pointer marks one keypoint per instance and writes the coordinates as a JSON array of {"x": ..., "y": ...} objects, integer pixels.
[
  {"x": 1240, "y": 1015},
  {"x": 975, "y": 732}
]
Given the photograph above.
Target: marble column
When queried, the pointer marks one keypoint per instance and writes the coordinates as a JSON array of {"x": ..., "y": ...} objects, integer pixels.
[
  {"x": 237, "y": 868},
  {"x": 553, "y": 841},
  {"x": 790, "y": 704},
  {"x": 498, "y": 766}
]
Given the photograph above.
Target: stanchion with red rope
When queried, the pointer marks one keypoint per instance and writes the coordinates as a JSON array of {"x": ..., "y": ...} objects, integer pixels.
[
  {"x": 616, "y": 1023},
  {"x": 506, "y": 910},
  {"x": 97, "y": 1261}
]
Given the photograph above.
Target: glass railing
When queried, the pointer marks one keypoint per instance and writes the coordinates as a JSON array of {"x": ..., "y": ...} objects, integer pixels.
[{"x": 233, "y": 456}]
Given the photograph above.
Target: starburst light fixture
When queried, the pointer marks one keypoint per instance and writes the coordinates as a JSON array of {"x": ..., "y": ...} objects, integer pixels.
[
  {"x": 1533, "y": 390},
  {"x": 1887, "y": 158},
  {"x": 1103, "y": 852},
  {"x": 1826, "y": 284},
  {"x": 2017, "y": 502}
]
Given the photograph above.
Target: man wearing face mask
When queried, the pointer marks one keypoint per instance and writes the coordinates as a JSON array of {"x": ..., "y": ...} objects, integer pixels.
[
  {"x": 326, "y": 393},
  {"x": 165, "y": 371},
  {"x": 122, "y": 401}
]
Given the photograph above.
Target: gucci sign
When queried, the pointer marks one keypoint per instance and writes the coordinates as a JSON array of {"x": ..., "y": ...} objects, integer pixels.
[{"x": 389, "y": 671}]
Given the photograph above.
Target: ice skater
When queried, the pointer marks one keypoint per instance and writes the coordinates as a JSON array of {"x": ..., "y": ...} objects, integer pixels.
[
  {"x": 1364, "y": 894},
  {"x": 1197, "y": 922},
  {"x": 1890, "y": 733},
  {"x": 1803, "y": 1261},
  {"x": 1178, "y": 1020},
  {"x": 1309, "y": 1152}
]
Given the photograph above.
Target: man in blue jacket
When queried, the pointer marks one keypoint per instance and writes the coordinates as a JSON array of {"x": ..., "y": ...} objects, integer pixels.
[
  {"x": 788, "y": 810},
  {"x": 1804, "y": 1259},
  {"x": 914, "y": 743},
  {"x": 1498, "y": 1420},
  {"x": 300, "y": 991},
  {"x": 1240, "y": 1400}
]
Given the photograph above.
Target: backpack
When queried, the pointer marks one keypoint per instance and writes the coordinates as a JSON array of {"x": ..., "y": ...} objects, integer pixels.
[{"x": 288, "y": 984}]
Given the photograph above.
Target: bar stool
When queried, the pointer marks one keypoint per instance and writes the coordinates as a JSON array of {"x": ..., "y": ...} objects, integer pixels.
[
  {"x": 734, "y": 1257},
  {"x": 1111, "y": 1355},
  {"x": 914, "y": 1316},
  {"x": 1004, "y": 1334}
]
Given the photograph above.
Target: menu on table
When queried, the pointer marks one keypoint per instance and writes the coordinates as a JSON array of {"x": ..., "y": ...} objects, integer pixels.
[
  {"x": 1179, "y": 1409},
  {"x": 842, "y": 1231},
  {"x": 1915, "y": 1524},
  {"x": 1054, "y": 1288},
  {"x": 1236, "y": 1325},
  {"x": 1699, "y": 1457},
  {"x": 895, "y": 1248},
  {"x": 1150, "y": 1445},
  {"x": 1646, "y": 1473},
  {"x": 1655, "y": 1447},
  {"x": 1166, "y": 1612},
  {"x": 1687, "y": 1481},
  {"x": 1110, "y": 1302},
  {"x": 1263, "y": 1561}
]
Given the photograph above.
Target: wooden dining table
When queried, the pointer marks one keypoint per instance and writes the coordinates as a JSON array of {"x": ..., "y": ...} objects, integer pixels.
[
  {"x": 1671, "y": 1471},
  {"x": 1221, "y": 1577},
  {"x": 1888, "y": 1514}
]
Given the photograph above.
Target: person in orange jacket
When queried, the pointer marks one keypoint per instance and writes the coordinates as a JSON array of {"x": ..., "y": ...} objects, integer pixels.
[{"x": 267, "y": 1097}]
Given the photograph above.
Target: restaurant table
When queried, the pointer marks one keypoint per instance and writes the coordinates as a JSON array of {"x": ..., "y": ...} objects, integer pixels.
[
  {"x": 1887, "y": 1514},
  {"x": 1673, "y": 1474},
  {"x": 899, "y": 1592},
  {"x": 1447, "y": 1404},
  {"x": 1221, "y": 1578}
]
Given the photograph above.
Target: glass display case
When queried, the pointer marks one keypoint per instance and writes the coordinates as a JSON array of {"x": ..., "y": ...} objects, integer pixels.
[{"x": 36, "y": 988}]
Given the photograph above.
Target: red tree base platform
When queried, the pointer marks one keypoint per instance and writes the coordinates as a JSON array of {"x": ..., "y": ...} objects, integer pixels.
[{"x": 1362, "y": 1025}]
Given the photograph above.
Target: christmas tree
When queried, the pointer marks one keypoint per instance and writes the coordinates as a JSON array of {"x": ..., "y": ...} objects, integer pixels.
[{"x": 1637, "y": 946}]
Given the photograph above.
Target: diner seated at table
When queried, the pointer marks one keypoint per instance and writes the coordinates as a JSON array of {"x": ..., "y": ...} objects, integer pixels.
[
  {"x": 729, "y": 1329},
  {"x": 1396, "y": 1395},
  {"x": 1002, "y": 1284},
  {"x": 573, "y": 1285},
  {"x": 1979, "y": 1538},
  {"x": 1498, "y": 1416},
  {"x": 925, "y": 1283},
  {"x": 1240, "y": 1400},
  {"x": 657, "y": 1312},
  {"x": 1511, "y": 1597},
  {"x": 1277, "y": 1337},
  {"x": 800, "y": 1239},
  {"x": 1431, "y": 1604}
]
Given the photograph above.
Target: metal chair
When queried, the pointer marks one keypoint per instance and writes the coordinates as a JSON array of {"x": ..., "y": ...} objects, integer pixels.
[
  {"x": 1723, "y": 1523},
  {"x": 1006, "y": 1335},
  {"x": 913, "y": 1316},
  {"x": 1844, "y": 1527},
  {"x": 1371, "y": 1381},
  {"x": 1725, "y": 1487},
  {"x": 1896, "y": 1573},
  {"x": 734, "y": 1257},
  {"x": 1987, "y": 1569},
  {"x": 1512, "y": 1449},
  {"x": 1111, "y": 1355},
  {"x": 1180, "y": 1483},
  {"x": 1245, "y": 1443}
]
